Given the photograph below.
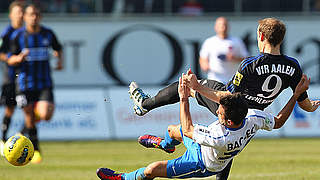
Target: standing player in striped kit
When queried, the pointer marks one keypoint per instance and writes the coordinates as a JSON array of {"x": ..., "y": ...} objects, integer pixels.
[
  {"x": 34, "y": 81},
  {"x": 260, "y": 79},
  {"x": 8, "y": 79}
]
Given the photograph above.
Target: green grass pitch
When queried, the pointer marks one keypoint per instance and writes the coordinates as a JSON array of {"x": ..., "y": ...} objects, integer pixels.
[{"x": 276, "y": 159}]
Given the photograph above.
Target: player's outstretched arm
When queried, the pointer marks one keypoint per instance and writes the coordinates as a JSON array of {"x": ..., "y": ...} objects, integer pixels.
[
  {"x": 284, "y": 114},
  {"x": 192, "y": 82},
  {"x": 59, "y": 55},
  {"x": 185, "y": 116}
]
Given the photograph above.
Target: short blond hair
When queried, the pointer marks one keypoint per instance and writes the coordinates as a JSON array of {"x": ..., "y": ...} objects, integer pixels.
[
  {"x": 16, "y": 3},
  {"x": 273, "y": 30}
]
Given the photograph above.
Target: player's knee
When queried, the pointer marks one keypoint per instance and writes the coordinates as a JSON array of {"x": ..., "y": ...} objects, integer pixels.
[
  {"x": 148, "y": 172},
  {"x": 28, "y": 109},
  {"x": 172, "y": 129},
  {"x": 46, "y": 117}
]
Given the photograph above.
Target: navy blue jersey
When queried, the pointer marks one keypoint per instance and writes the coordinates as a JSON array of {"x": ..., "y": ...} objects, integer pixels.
[
  {"x": 34, "y": 72},
  {"x": 262, "y": 78},
  {"x": 8, "y": 71}
]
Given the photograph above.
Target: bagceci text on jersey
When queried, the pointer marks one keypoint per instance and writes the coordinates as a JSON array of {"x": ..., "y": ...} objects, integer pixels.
[{"x": 238, "y": 143}]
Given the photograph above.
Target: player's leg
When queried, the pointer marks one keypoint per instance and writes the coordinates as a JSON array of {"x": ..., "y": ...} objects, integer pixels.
[
  {"x": 44, "y": 110},
  {"x": 190, "y": 164},
  {"x": 187, "y": 166},
  {"x": 224, "y": 174},
  {"x": 172, "y": 139},
  {"x": 26, "y": 101},
  {"x": 8, "y": 99},
  {"x": 31, "y": 131},
  {"x": 144, "y": 103},
  {"x": 8, "y": 112},
  {"x": 153, "y": 170},
  {"x": 44, "y": 107},
  {"x": 170, "y": 95},
  {"x": 203, "y": 101}
]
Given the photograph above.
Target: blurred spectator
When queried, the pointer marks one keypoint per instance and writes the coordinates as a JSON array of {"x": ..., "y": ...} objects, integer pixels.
[
  {"x": 221, "y": 54},
  {"x": 191, "y": 8}
]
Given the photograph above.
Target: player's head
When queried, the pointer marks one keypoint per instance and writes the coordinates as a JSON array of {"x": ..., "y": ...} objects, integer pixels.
[
  {"x": 32, "y": 16},
  {"x": 221, "y": 27},
  {"x": 272, "y": 31},
  {"x": 16, "y": 10},
  {"x": 232, "y": 110}
]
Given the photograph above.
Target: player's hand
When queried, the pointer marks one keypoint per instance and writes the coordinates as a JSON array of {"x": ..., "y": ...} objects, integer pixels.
[
  {"x": 183, "y": 90},
  {"x": 59, "y": 66},
  {"x": 302, "y": 86},
  {"x": 15, "y": 60},
  {"x": 315, "y": 105},
  {"x": 191, "y": 80}
]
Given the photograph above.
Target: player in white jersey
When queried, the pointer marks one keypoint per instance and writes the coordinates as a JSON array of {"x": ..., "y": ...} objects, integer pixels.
[
  {"x": 209, "y": 149},
  {"x": 221, "y": 54}
]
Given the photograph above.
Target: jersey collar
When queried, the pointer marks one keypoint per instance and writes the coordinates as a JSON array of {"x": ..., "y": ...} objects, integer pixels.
[{"x": 234, "y": 129}]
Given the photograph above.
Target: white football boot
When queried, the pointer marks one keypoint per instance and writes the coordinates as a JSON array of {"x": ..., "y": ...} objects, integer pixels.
[{"x": 137, "y": 95}]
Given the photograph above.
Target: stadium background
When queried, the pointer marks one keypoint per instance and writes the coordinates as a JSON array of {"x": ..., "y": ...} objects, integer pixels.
[{"x": 108, "y": 43}]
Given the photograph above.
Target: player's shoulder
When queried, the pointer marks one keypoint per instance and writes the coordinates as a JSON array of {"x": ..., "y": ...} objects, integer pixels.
[
  {"x": 211, "y": 39},
  {"x": 235, "y": 39},
  {"x": 256, "y": 114},
  {"x": 17, "y": 32},
  {"x": 291, "y": 59},
  {"x": 6, "y": 31},
  {"x": 46, "y": 29},
  {"x": 250, "y": 60}
]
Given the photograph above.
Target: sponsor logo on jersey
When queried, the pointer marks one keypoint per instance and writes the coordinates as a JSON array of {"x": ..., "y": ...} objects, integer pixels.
[
  {"x": 45, "y": 42},
  {"x": 268, "y": 121},
  {"x": 38, "y": 54},
  {"x": 258, "y": 99},
  {"x": 237, "y": 79}
]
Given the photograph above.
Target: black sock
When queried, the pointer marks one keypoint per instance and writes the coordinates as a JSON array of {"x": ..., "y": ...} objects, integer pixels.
[
  {"x": 223, "y": 175},
  {"x": 24, "y": 130},
  {"x": 168, "y": 95},
  {"x": 32, "y": 133},
  {"x": 5, "y": 126}
]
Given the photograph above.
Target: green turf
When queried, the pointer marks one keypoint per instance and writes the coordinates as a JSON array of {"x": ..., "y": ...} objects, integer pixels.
[{"x": 279, "y": 159}]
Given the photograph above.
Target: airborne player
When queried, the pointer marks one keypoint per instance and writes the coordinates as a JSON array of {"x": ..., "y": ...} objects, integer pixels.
[{"x": 260, "y": 79}]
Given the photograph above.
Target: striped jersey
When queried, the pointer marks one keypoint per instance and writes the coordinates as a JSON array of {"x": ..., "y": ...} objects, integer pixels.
[
  {"x": 34, "y": 72},
  {"x": 220, "y": 144},
  {"x": 262, "y": 78},
  {"x": 8, "y": 71}
]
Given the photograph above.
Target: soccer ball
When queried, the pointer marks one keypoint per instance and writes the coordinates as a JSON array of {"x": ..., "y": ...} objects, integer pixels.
[{"x": 18, "y": 150}]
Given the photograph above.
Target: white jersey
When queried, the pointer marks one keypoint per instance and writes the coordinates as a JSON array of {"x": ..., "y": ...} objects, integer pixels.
[
  {"x": 215, "y": 49},
  {"x": 220, "y": 144}
]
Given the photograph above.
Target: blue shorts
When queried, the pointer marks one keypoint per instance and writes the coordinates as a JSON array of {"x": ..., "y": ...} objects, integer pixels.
[{"x": 190, "y": 164}]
